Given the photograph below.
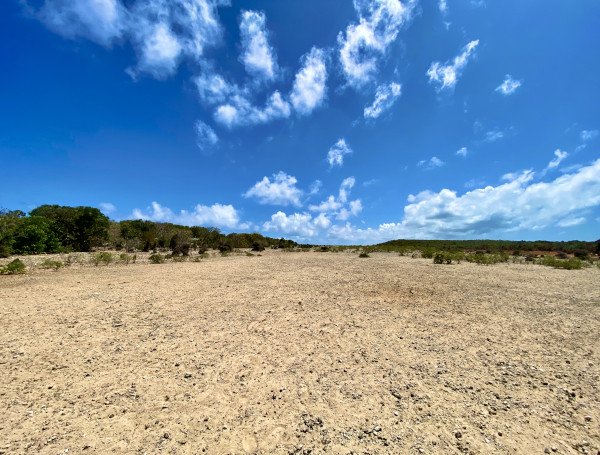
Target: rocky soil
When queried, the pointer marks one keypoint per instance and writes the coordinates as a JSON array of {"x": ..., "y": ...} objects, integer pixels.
[{"x": 301, "y": 353}]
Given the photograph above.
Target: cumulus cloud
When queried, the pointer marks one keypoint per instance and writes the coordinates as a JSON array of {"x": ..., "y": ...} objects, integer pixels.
[
  {"x": 431, "y": 163},
  {"x": 107, "y": 208},
  {"x": 362, "y": 44},
  {"x": 213, "y": 88},
  {"x": 443, "y": 6},
  {"x": 217, "y": 215},
  {"x": 206, "y": 137},
  {"x": 509, "y": 85},
  {"x": 335, "y": 155},
  {"x": 281, "y": 190},
  {"x": 340, "y": 206},
  {"x": 446, "y": 76},
  {"x": 162, "y": 33},
  {"x": 463, "y": 151},
  {"x": 257, "y": 56},
  {"x": 298, "y": 224},
  {"x": 310, "y": 83},
  {"x": 238, "y": 111},
  {"x": 385, "y": 97}
]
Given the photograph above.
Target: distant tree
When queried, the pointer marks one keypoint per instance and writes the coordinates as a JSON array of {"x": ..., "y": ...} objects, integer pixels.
[
  {"x": 35, "y": 235},
  {"x": 9, "y": 221}
]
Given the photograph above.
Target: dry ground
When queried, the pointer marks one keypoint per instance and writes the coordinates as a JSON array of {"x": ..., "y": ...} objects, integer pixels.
[{"x": 301, "y": 353}]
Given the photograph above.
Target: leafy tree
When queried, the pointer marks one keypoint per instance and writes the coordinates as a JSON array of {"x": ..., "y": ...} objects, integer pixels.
[
  {"x": 35, "y": 235},
  {"x": 9, "y": 221}
]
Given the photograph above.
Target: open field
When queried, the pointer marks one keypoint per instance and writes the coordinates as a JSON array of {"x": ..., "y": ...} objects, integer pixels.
[{"x": 301, "y": 353}]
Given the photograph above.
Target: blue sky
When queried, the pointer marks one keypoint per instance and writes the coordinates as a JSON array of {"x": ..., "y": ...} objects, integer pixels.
[{"x": 321, "y": 121}]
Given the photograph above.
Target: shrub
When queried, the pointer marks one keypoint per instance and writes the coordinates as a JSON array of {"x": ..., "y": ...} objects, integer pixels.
[
  {"x": 249, "y": 254},
  {"x": 364, "y": 254},
  {"x": 225, "y": 248},
  {"x": 125, "y": 258},
  {"x": 442, "y": 258},
  {"x": 324, "y": 249},
  {"x": 562, "y": 255},
  {"x": 156, "y": 258},
  {"x": 584, "y": 255},
  {"x": 258, "y": 246},
  {"x": 103, "y": 257},
  {"x": 427, "y": 253},
  {"x": 480, "y": 257},
  {"x": 13, "y": 268},
  {"x": 51, "y": 264},
  {"x": 568, "y": 264},
  {"x": 180, "y": 244}
]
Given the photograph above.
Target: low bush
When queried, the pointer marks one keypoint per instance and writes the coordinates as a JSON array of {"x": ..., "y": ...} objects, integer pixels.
[
  {"x": 51, "y": 264},
  {"x": 485, "y": 258},
  {"x": 567, "y": 264},
  {"x": 14, "y": 267},
  {"x": 364, "y": 254},
  {"x": 258, "y": 246},
  {"x": 249, "y": 254},
  {"x": 427, "y": 253},
  {"x": 103, "y": 257},
  {"x": 225, "y": 248},
  {"x": 156, "y": 258}
]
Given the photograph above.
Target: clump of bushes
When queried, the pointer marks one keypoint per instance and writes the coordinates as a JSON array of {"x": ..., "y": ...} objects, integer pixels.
[
  {"x": 258, "y": 246},
  {"x": 364, "y": 254},
  {"x": 14, "y": 267},
  {"x": 127, "y": 258},
  {"x": 480, "y": 257},
  {"x": 103, "y": 257},
  {"x": 156, "y": 258},
  {"x": 568, "y": 264},
  {"x": 225, "y": 248},
  {"x": 51, "y": 264}
]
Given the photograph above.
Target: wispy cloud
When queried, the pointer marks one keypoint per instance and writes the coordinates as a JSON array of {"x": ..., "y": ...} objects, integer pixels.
[
  {"x": 385, "y": 97},
  {"x": 559, "y": 156},
  {"x": 509, "y": 85},
  {"x": 238, "y": 111},
  {"x": 463, "y": 151},
  {"x": 362, "y": 44},
  {"x": 257, "y": 56},
  {"x": 431, "y": 163},
  {"x": 310, "y": 83},
  {"x": 493, "y": 135},
  {"x": 107, "y": 208},
  {"x": 588, "y": 135},
  {"x": 335, "y": 155},
  {"x": 206, "y": 138},
  {"x": 446, "y": 76},
  {"x": 281, "y": 190}
]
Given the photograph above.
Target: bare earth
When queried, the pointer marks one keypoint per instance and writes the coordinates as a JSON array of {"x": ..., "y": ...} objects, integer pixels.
[{"x": 301, "y": 353}]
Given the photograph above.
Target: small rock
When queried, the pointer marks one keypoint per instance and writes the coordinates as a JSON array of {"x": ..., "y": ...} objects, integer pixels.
[
  {"x": 166, "y": 435},
  {"x": 588, "y": 418},
  {"x": 458, "y": 435},
  {"x": 187, "y": 375}
]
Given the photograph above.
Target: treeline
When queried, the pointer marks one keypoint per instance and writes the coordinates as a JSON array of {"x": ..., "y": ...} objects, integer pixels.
[
  {"x": 490, "y": 246},
  {"x": 56, "y": 229}
]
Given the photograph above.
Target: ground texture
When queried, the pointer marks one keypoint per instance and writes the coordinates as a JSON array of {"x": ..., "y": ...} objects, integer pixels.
[{"x": 301, "y": 353}]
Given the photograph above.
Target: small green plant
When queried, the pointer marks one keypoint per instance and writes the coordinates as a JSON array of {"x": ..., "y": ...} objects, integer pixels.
[
  {"x": 427, "y": 253},
  {"x": 125, "y": 258},
  {"x": 249, "y": 254},
  {"x": 103, "y": 257},
  {"x": 51, "y": 264},
  {"x": 567, "y": 264},
  {"x": 14, "y": 267},
  {"x": 156, "y": 258},
  {"x": 364, "y": 254}
]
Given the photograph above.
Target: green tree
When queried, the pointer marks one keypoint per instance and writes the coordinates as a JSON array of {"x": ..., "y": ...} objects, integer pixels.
[
  {"x": 9, "y": 221},
  {"x": 34, "y": 235}
]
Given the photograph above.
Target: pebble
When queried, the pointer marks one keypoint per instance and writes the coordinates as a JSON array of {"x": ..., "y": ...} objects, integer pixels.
[{"x": 458, "y": 435}]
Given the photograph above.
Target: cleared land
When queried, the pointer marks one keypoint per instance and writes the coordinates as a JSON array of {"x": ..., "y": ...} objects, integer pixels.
[{"x": 301, "y": 353}]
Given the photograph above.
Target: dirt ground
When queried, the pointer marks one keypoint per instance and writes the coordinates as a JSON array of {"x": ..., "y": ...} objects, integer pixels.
[{"x": 301, "y": 353}]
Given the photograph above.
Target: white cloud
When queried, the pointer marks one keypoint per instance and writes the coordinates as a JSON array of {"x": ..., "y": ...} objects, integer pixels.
[
  {"x": 509, "y": 85},
  {"x": 238, "y": 111},
  {"x": 102, "y": 21},
  {"x": 443, "y": 6},
  {"x": 431, "y": 163},
  {"x": 315, "y": 187},
  {"x": 107, "y": 208},
  {"x": 257, "y": 56},
  {"x": 588, "y": 135},
  {"x": 298, "y": 224},
  {"x": 310, "y": 82},
  {"x": 339, "y": 206},
  {"x": 281, "y": 190},
  {"x": 162, "y": 33},
  {"x": 362, "y": 44},
  {"x": 463, "y": 151},
  {"x": 559, "y": 157},
  {"x": 493, "y": 136},
  {"x": 217, "y": 215},
  {"x": 446, "y": 76},
  {"x": 213, "y": 88},
  {"x": 385, "y": 97},
  {"x": 335, "y": 155},
  {"x": 571, "y": 222},
  {"x": 205, "y": 136}
]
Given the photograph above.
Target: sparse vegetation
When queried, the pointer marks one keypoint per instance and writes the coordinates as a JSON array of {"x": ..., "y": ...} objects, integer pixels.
[
  {"x": 51, "y": 264},
  {"x": 156, "y": 258},
  {"x": 14, "y": 267},
  {"x": 103, "y": 257},
  {"x": 567, "y": 264},
  {"x": 364, "y": 254}
]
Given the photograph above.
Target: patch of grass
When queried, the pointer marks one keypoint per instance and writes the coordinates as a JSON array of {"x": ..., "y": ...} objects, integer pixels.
[
  {"x": 249, "y": 254},
  {"x": 103, "y": 257},
  {"x": 364, "y": 254},
  {"x": 156, "y": 258},
  {"x": 14, "y": 267},
  {"x": 125, "y": 258},
  {"x": 567, "y": 264},
  {"x": 51, "y": 264}
]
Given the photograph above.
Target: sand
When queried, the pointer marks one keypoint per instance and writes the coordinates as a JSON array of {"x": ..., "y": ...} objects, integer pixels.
[{"x": 301, "y": 353}]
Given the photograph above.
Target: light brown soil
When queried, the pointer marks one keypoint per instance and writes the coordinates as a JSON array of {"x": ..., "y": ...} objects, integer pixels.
[{"x": 301, "y": 353}]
